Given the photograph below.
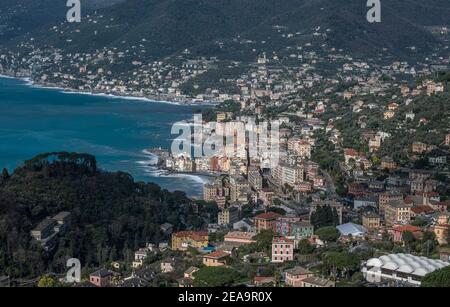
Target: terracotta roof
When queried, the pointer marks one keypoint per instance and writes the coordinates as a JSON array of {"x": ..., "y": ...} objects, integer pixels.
[
  {"x": 240, "y": 235},
  {"x": 406, "y": 228},
  {"x": 351, "y": 152},
  {"x": 422, "y": 209},
  {"x": 282, "y": 240},
  {"x": 267, "y": 215},
  {"x": 195, "y": 235},
  {"x": 264, "y": 278},
  {"x": 217, "y": 254}
]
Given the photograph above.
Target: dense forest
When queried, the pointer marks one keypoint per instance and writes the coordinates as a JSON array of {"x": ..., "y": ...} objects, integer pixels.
[
  {"x": 111, "y": 214},
  {"x": 171, "y": 26}
]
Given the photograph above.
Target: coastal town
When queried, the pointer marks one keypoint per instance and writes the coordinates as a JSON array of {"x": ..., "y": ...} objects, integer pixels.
[
  {"x": 357, "y": 195},
  {"x": 325, "y": 215}
]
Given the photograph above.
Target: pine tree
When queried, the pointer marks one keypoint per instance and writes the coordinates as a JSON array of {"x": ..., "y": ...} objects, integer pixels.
[{"x": 5, "y": 174}]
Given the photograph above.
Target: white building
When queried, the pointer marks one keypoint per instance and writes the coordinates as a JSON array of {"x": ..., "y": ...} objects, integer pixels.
[{"x": 400, "y": 267}]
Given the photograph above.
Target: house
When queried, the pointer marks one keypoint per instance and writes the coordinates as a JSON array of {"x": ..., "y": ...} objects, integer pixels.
[
  {"x": 317, "y": 282},
  {"x": 167, "y": 265},
  {"x": 392, "y": 106},
  {"x": 187, "y": 281},
  {"x": 364, "y": 202},
  {"x": 284, "y": 224},
  {"x": 244, "y": 225},
  {"x": 101, "y": 278},
  {"x": 386, "y": 197},
  {"x": 419, "y": 148},
  {"x": 295, "y": 276},
  {"x": 282, "y": 249},
  {"x": 62, "y": 221},
  {"x": 397, "y": 232},
  {"x": 239, "y": 237},
  {"x": 437, "y": 160},
  {"x": 447, "y": 140},
  {"x": 397, "y": 212},
  {"x": 350, "y": 155},
  {"x": 302, "y": 230},
  {"x": 264, "y": 280},
  {"x": 184, "y": 239},
  {"x": 266, "y": 221},
  {"x": 388, "y": 163},
  {"x": 189, "y": 273},
  {"x": 371, "y": 220},
  {"x": 356, "y": 189},
  {"x": 229, "y": 215},
  {"x": 421, "y": 210},
  {"x": 216, "y": 258},
  {"x": 266, "y": 197},
  {"x": 442, "y": 228},
  {"x": 388, "y": 114},
  {"x": 139, "y": 257},
  {"x": 444, "y": 253}
]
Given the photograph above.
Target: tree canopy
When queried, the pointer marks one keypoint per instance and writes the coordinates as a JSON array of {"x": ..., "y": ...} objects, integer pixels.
[
  {"x": 215, "y": 277},
  {"x": 438, "y": 278},
  {"x": 328, "y": 234}
]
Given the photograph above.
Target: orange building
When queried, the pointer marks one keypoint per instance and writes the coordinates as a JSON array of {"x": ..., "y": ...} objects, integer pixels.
[
  {"x": 183, "y": 239},
  {"x": 266, "y": 221}
]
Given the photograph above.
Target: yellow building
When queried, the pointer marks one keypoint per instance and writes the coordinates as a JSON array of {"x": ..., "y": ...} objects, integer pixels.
[
  {"x": 397, "y": 212},
  {"x": 217, "y": 258},
  {"x": 442, "y": 228},
  {"x": 371, "y": 220},
  {"x": 184, "y": 239},
  {"x": 211, "y": 191},
  {"x": 389, "y": 114},
  {"x": 228, "y": 216}
]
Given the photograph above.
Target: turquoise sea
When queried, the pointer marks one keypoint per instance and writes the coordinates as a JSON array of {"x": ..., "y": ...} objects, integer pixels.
[{"x": 116, "y": 130}]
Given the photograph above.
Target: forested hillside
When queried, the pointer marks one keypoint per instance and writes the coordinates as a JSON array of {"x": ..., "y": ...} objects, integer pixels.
[
  {"x": 111, "y": 214},
  {"x": 164, "y": 27}
]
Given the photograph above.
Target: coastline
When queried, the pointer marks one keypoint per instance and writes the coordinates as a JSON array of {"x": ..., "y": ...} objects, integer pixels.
[
  {"x": 110, "y": 94},
  {"x": 200, "y": 179},
  {"x": 155, "y": 162}
]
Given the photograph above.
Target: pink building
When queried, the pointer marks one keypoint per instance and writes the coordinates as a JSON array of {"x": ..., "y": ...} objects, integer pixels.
[
  {"x": 296, "y": 275},
  {"x": 397, "y": 232},
  {"x": 282, "y": 249},
  {"x": 101, "y": 278}
]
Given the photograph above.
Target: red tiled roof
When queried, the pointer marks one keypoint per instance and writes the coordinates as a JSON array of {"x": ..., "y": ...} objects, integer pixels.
[
  {"x": 267, "y": 215},
  {"x": 217, "y": 254},
  {"x": 196, "y": 235},
  {"x": 422, "y": 209},
  {"x": 282, "y": 240},
  {"x": 407, "y": 228},
  {"x": 351, "y": 152},
  {"x": 240, "y": 235}
]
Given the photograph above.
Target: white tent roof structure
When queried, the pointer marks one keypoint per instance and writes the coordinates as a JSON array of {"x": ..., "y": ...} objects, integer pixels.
[
  {"x": 406, "y": 263},
  {"x": 352, "y": 229}
]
